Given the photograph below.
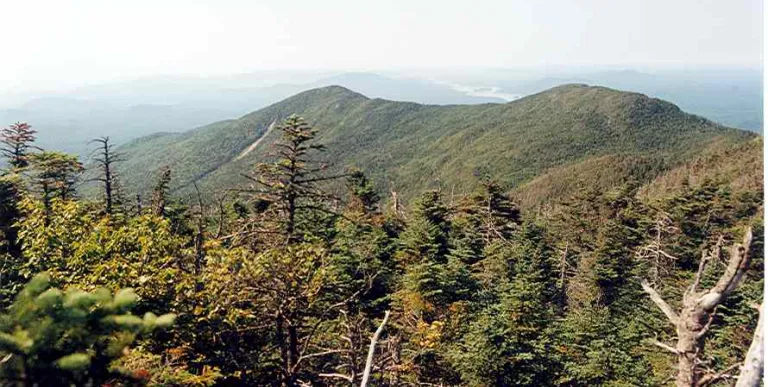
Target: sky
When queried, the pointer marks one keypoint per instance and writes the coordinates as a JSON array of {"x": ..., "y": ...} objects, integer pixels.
[{"x": 56, "y": 43}]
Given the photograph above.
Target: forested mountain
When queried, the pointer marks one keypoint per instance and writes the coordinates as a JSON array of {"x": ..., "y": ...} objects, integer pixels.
[
  {"x": 408, "y": 147},
  {"x": 581, "y": 236},
  {"x": 728, "y": 96}
]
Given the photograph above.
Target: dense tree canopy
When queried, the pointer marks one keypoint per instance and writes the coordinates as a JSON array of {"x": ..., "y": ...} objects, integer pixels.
[{"x": 284, "y": 283}]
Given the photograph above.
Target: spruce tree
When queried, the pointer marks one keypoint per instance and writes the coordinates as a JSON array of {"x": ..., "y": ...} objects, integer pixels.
[
  {"x": 17, "y": 142},
  {"x": 54, "y": 175},
  {"x": 51, "y": 337},
  {"x": 289, "y": 190}
]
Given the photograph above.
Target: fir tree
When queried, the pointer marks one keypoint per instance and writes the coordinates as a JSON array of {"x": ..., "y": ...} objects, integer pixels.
[
  {"x": 54, "y": 175},
  {"x": 53, "y": 337},
  {"x": 289, "y": 188},
  {"x": 17, "y": 142}
]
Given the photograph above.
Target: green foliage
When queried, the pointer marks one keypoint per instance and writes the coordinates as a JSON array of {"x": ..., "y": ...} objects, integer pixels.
[
  {"x": 17, "y": 142},
  {"x": 54, "y": 337},
  {"x": 10, "y": 249},
  {"x": 506, "y": 342},
  {"x": 285, "y": 284},
  {"x": 412, "y": 148},
  {"x": 54, "y": 174}
]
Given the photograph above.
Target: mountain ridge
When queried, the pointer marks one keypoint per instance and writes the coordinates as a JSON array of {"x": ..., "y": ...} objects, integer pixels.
[{"x": 459, "y": 144}]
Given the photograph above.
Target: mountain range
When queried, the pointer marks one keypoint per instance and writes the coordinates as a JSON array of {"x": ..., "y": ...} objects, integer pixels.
[
  {"x": 531, "y": 145},
  {"x": 126, "y": 111}
]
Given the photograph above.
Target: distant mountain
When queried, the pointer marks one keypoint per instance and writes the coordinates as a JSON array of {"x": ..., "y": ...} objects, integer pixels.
[
  {"x": 409, "y": 147},
  {"x": 67, "y": 122},
  {"x": 729, "y": 97}
]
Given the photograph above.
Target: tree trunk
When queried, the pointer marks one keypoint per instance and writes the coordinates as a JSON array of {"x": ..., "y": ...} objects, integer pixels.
[
  {"x": 372, "y": 350},
  {"x": 689, "y": 328},
  {"x": 280, "y": 338},
  {"x": 752, "y": 370},
  {"x": 695, "y": 318},
  {"x": 293, "y": 351}
]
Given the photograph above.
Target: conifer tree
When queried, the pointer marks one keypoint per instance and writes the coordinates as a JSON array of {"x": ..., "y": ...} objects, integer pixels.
[
  {"x": 363, "y": 193},
  {"x": 290, "y": 188},
  {"x": 160, "y": 193},
  {"x": 51, "y": 337},
  {"x": 10, "y": 245},
  {"x": 17, "y": 142},
  {"x": 54, "y": 175},
  {"x": 426, "y": 237}
]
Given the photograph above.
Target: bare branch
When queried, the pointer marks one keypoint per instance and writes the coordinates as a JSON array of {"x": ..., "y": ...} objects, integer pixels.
[
  {"x": 665, "y": 346},
  {"x": 656, "y": 298},
  {"x": 706, "y": 327},
  {"x": 372, "y": 350},
  {"x": 711, "y": 378},
  {"x": 738, "y": 263},
  {"x": 339, "y": 376}
]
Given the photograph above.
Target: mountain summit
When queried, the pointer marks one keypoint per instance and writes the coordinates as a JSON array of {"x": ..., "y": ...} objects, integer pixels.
[{"x": 455, "y": 146}]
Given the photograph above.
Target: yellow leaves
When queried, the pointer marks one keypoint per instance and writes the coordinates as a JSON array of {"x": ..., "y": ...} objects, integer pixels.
[
  {"x": 428, "y": 336},
  {"x": 412, "y": 300},
  {"x": 198, "y": 311}
]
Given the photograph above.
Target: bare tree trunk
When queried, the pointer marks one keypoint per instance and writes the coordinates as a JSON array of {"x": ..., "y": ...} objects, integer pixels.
[
  {"x": 293, "y": 351},
  {"x": 372, "y": 350},
  {"x": 106, "y": 159},
  {"x": 697, "y": 313},
  {"x": 395, "y": 203},
  {"x": 280, "y": 338},
  {"x": 752, "y": 370}
]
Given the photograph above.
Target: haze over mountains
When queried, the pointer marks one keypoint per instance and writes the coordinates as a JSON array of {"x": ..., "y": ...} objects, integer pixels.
[
  {"x": 125, "y": 111},
  {"x": 67, "y": 120},
  {"x": 410, "y": 147},
  {"x": 382, "y": 193}
]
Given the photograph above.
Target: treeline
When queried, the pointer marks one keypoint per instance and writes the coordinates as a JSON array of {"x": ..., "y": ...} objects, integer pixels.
[{"x": 288, "y": 282}]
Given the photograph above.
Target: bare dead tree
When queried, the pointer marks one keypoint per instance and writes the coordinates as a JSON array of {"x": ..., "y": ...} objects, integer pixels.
[
  {"x": 752, "y": 370},
  {"x": 199, "y": 234},
  {"x": 106, "y": 158},
  {"x": 659, "y": 261},
  {"x": 695, "y": 318},
  {"x": 372, "y": 350},
  {"x": 221, "y": 208},
  {"x": 139, "y": 205},
  {"x": 160, "y": 192}
]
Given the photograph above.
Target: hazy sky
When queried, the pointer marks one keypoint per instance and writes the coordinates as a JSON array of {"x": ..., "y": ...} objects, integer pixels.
[{"x": 55, "y": 42}]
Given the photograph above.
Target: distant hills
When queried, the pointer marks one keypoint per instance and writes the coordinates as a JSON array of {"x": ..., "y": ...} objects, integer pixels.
[
  {"x": 408, "y": 147},
  {"x": 133, "y": 109},
  {"x": 125, "y": 110},
  {"x": 732, "y": 97}
]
